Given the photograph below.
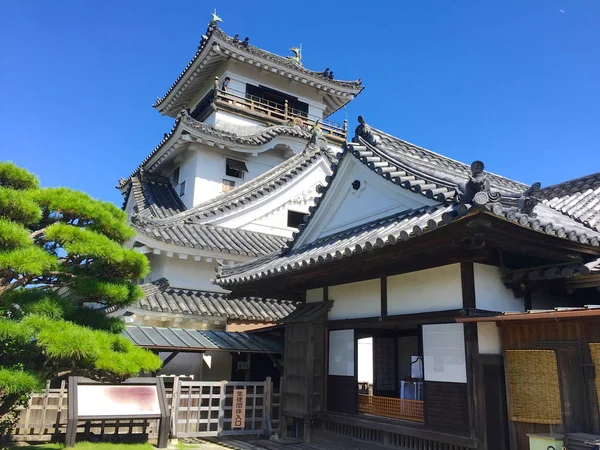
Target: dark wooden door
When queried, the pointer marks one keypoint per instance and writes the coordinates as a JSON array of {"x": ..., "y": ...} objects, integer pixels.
[
  {"x": 496, "y": 415},
  {"x": 573, "y": 388}
]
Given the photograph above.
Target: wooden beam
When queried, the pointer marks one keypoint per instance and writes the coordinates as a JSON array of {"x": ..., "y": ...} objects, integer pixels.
[
  {"x": 384, "y": 297},
  {"x": 475, "y": 386},
  {"x": 169, "y": 358},
  {"x": 325, "y": 293}
]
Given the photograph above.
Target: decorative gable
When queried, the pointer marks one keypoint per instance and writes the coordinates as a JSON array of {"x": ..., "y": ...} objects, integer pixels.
[{"x": 358, "y": 195}]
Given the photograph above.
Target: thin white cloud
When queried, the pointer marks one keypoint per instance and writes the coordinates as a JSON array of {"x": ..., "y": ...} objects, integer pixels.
[{"x": 562, "y": 11}]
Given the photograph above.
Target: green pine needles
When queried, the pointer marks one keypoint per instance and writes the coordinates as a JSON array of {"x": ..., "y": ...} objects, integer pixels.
[{"x": 61, "y": 262}]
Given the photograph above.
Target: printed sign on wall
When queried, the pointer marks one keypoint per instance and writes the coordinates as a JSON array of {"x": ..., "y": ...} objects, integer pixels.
[
  {"x": 238, "y": 419},
  {"x": 117, "y": 400},
  {"x": 444, "y": 352}
]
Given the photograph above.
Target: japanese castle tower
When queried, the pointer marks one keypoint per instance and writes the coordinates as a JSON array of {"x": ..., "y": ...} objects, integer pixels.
[{"x": 231, "y": 181}]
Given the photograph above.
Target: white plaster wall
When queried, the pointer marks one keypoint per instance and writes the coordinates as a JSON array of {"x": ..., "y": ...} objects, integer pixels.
[
  {"x": 237, "y": 124},
  {"x": 490, "y": 292},
  {"x": 314, "y": 295},
  {"x": 355, "y": 300},
  {"x": 436, "y": 289},
  {"x": 187, "y": 173},
  {"x": 488, "y": 335},
  {"x": 186, "y": 273},
  {"x": 345, "y": 207}
]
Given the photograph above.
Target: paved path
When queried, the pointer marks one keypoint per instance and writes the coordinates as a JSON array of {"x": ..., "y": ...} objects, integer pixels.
[{"x": 225, "y": 443}]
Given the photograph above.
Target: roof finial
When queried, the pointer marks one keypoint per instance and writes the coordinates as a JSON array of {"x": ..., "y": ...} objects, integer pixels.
[
  {"x": 215, "y": 19},
  {"x": 297, "y": 58}
]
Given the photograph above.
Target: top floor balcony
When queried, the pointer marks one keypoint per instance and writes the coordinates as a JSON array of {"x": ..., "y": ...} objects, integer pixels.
[{"x": 268, "y": 112}]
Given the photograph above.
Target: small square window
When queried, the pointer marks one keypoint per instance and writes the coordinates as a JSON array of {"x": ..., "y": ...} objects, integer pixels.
[
  {"x": 295, "y": 218},
  {"x": 227, "y": 185},
  {"x": 182, "y": 189},
  {"x": 235, "y": 168}
]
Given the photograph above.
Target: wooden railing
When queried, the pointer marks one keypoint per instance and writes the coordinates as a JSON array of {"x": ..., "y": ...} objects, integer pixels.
[
  {"x": 277, "y": 112},
  {"x": 397, "y": 408}
]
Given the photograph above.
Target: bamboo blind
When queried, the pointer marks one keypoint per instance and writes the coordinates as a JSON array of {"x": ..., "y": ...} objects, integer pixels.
[
  {"x": 533, "y": 389},
  {"x": 397, "y": 408},
  {"x": 595, "y": 350}
]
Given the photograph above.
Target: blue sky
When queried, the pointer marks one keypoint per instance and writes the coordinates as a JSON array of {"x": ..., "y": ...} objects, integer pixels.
[{"x": 514, "y": 83}]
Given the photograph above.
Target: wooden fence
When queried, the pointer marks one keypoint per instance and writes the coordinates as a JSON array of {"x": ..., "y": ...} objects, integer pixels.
[
  {"x": 45, "y": 417},
  {"x": 396, "y": 408}
]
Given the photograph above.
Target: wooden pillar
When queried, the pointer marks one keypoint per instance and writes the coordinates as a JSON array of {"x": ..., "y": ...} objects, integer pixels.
[
  {"x": 216, "y": 90},
  {"x": 285, "y": 109},
  {"x": 475, "y": 385},
  {"x": 267, "y": 407},
  {"x": 384, "y": 297}
]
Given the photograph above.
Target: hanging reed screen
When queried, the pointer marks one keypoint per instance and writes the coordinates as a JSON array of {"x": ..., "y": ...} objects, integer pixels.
[{"x": 533, "y": 390}]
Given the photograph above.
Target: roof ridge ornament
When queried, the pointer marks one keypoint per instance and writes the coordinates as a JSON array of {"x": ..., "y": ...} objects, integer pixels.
[
  {"x": 364, "y": 131},
  {"x": 214, "y": 19},
  {"x": 527, "y": 201},
  {"x": 477, "y": 190},
  {"x": 297, "y": 58}
]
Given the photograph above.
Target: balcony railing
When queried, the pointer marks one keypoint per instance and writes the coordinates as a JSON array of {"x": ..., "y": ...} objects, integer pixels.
[
  {"x": 276, "y": 113},
  {"x": 396, "y": 408}
]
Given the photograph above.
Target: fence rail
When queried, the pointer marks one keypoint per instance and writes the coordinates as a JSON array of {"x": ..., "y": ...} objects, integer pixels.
[
  {"x": 397, "y": 408},
  {"x": 192, "y": 406}
]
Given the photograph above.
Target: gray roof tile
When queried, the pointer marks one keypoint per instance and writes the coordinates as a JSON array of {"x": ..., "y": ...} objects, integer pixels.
[
  {"x": 159, "y": 296},
  {"x": 201, "y": 340},
  {"x": 578, "y": 199}
]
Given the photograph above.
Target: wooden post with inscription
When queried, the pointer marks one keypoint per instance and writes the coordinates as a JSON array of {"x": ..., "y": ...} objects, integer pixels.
[{"x": 238, "y": 418}]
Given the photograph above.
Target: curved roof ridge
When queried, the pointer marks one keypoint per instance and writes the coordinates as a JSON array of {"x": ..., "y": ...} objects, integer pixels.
[
  {"x": 160, "y": 296},
  {"x": 214, "y": 238},
  {"x": 262, "y": 137},
  {"x": 456, "y": 166},
  {"x": 247, "y": 192},
  {"x": 215, "y": 32}
]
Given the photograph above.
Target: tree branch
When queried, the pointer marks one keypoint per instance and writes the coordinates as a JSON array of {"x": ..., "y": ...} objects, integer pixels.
[
  {"x": 37, "y": 233},
  {"x": 15, "y": 284}
]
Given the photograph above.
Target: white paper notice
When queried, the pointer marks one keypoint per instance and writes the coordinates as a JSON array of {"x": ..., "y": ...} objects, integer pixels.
[
  {"x": 341, "y": 353},
  {"x": 444, "y": 352}
]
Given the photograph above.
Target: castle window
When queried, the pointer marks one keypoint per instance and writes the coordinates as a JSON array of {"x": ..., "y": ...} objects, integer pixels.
[
  {"x": 182, "y": 189},
  {"x": 295, "y": 218},
  {"x": 235, "y": 168}
]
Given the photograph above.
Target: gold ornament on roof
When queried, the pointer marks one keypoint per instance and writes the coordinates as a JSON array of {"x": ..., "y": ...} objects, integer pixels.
[
  {"x": 297, "y": 58},
  {"x": 215, "y": 18}
]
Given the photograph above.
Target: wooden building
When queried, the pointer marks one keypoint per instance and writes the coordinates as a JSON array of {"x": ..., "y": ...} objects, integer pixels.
[{"x": 425, "y": 257}]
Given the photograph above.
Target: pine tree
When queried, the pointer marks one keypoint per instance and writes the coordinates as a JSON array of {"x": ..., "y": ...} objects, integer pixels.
[{"x": 61, "y": 263}]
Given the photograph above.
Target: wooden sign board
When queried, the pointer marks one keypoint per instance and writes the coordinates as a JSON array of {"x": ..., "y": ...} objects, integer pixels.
[
  {"x": 98, "y": 400},
  {"x": 238, "y": 418}
]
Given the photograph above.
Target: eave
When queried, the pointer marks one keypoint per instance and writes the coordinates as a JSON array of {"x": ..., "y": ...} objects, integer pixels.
[{"x": 217, "y": 47}]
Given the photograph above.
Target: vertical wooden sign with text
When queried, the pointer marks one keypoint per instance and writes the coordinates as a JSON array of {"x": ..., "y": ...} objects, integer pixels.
[{"x": 238, "y": 418}]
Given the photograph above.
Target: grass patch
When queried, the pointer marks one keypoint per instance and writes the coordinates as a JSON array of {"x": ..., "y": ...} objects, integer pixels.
[{"x": 81, "y": 446}]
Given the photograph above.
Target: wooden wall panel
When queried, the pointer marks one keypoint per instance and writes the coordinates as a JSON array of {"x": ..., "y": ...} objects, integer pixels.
[{"x": 447, "y": 407}]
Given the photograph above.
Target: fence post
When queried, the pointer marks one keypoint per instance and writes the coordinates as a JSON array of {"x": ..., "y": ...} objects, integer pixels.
[
  {"x": 44, "y": 407},
  {"x": 175, "y": 406},
  {"x": 267, "y": 407},
  {"x": 222, "y": 398}
]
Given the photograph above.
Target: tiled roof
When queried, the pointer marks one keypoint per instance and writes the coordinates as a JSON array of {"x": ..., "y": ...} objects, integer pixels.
[
  {"x": 201, "y": 340},
  {"x": 156, "y": 196},
  {"x": 418, "y": 169},
  {"x": 186, "y": 124},
  {"x": 422, "y": 172},
  {"x": 556, "y": 271},
  {"x": 308, "y": 312},
  {"x": 159, "y": 296},
  {"x": 578, "y": 199},
  {"x": 216, "y": 36},
  {"x": 359, "y": 239},
  {"x": 251, "y": 191},
  {"x": 211, "y": 237}
]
